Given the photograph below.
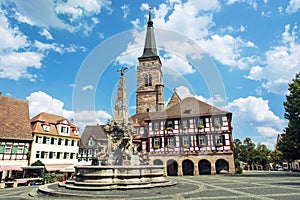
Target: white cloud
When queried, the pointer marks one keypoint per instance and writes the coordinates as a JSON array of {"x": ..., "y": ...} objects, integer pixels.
[
  {"x": 61, "y": 14},
  {"x": 282, "y": 63},
  {"x": 267, "y": 131},
  {"x": 46, "y": 33},
  {"x": 175, "y": 66},
  {"x": 228, "y": 51},
  {"x": 15, "y": 65},
  {"x": 11, "y": 38},
  {"x": 125, "y": 10},
  {"x": 294, "y": 6},
  {"x": 42, "y": 102},
  {"x": 87, "y": 87},
  {"x": 253, "y": 110}
]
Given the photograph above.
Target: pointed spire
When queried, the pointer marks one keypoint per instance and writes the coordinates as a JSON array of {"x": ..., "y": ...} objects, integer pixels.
[
  {"x": 121, "y": 108},
  {"x": 150, "y": 45}
]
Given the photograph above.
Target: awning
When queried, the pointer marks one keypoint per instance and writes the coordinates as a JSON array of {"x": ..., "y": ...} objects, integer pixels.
[
  {"x": 10, "y": 168},
  {"x": 54, "y": 168}
]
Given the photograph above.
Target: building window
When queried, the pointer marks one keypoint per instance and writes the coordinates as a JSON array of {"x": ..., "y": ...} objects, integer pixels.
[
  {"x": 20, "y": 149},
  {"x": 8, "y": 149},
  {"x": 66, "y": 142},
  {"x": 66, "y": 155},
  {"x": 72, "y": 155},
  {"x": 148, "y": 80},
  {"x": 52, "y": 140},
  {"x": 171, "y": 142},
  {"x": 46, "y": 127},
  {"x": 44, "y": 140},
  {"x": 157, "y": 143},
  {"x": 185, "y": 124},
  {"x": 58, "y": 155},
  {"x": 43, "y": 154},
  {"x": 217, "y": 122},
  {"x": 78, "y": 143},
  {"x": 48, "y": 140},
  {"x": 37, "y": 155},
  {"x": 220, "y": 140},
  {"x": 202, "y": 141},
  {"x": 64, "y": 129},
  {"x": 36, "y": 139},
  {"x": 50, "y": 155},
  {"x": 201, "y": 123},
  {"x": 156, "y": 126},
  {"x": 72, "y": 143},
  {"x": 59, "y": 141},
  {"x": 186, "y": 141},
  {"x": 170, "y": 124}
]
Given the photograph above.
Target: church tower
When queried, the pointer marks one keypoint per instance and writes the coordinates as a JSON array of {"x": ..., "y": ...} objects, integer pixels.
[{"x": 150, "y": 88}]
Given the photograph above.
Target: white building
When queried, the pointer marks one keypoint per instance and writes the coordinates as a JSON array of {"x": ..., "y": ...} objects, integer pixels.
[{"x": 55, "y": 141}]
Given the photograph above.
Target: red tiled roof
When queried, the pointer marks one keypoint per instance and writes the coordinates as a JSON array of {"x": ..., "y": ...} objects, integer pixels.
[
  {"x": 52, "y": 120},
  {"x": 188, "y": 107},
  {"x": 14, "y": 119}
]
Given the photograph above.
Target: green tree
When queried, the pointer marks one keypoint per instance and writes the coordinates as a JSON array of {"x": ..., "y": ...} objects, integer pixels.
[
  {"x": 248, "y": 151},
  {"x": 290, "y": 142},
  {"x": 237, "y": 144},
  {"x": 261, "y": 155},
  {"x": 38, "y": 163}
]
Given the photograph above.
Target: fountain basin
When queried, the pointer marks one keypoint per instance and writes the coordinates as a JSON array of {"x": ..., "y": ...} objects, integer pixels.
[{"x": 118, "y": 177}]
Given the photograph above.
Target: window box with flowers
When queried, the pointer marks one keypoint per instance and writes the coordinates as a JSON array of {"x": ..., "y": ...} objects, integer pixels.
[
  {"x": 156, "y": 147},
  {"x": 219, "y": 144},
  {"x": 169, "y": 128},
  {"x": 185, "y": 128},
  {"x": 202, "y": 145},
  {"x": 201, "y": 127},
  {"x": 186, "y": 146},
  {"x": 156, "y": 130},
  {"x": 218, "y": 125}
]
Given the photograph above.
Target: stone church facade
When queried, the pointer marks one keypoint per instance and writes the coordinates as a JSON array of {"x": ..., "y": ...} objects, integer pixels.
[{"x": 188, "y": 136}]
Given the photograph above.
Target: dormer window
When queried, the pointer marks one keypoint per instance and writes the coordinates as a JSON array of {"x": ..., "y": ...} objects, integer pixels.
[
  {"x": 63, "y": 129},
  {"x": 76, "y": 131},
  {"x": 46, "y": 127}
]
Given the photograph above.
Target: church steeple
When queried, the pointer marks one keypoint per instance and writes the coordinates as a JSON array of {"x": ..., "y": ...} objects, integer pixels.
[
  {"x": 150, "y": 45},
  {"x": 121, "y": 108},
  {"x": 150, "y": 88}
]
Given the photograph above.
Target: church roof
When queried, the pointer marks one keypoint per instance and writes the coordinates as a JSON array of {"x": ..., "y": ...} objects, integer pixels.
[
  {"x": 14, "y": 119},
  {"x": 150, "y": 44},
  {"x": 188, "y": 107}
]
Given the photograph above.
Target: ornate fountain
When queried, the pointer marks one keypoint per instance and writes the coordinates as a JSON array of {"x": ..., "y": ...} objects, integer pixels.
[{"x": 121, "y": 164}]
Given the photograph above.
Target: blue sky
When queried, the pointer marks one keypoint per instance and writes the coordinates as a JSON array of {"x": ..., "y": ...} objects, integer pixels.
[{"x": 62, "y": 56}]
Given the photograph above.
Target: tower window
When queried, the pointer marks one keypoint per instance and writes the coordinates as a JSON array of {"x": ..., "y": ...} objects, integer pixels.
[{"x": 148, "y": 80}]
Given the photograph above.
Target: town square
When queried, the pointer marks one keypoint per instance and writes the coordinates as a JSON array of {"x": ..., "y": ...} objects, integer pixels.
[{"x": 174, "y": 99}]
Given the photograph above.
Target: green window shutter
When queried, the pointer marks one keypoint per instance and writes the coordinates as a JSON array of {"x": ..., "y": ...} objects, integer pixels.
[
  {"x": 2, "y": 147},
  {"x": 197, "y": 140},
  {"x": 15, "y": 149},
  {"x": 152, "y": 142},
  {"x": 44, "y": 140},
  {"x": 206, "y": 140},
  {"x": 25, "y": 150}
]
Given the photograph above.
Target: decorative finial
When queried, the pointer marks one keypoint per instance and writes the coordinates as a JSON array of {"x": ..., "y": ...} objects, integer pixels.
[
  {"x": 175, "y": 89},
  {"x": 122, "y": 70},
  {"x": 150, "y": 23}
]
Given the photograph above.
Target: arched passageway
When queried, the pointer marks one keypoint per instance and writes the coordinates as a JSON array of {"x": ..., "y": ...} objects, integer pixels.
[
  {"x": 158, "y": 162},
  {"x": 204, "y": 167},
  {"x": 222, "y": 166},
  {"x": 172, "y": 168},
  {"x": 187, "y": 167}
]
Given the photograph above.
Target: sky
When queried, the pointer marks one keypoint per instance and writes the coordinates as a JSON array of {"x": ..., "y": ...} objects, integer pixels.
[{"x": 240, "y": 55}]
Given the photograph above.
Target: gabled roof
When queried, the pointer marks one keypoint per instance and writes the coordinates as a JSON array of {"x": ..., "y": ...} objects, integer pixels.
[
  {"x": 188, "y": 107},
  {"x": 174, "y": 100},
  {"x": 14, "y": 119},
  {"x": 95, "y": 131},
  {"x": 52, "y": 120}
]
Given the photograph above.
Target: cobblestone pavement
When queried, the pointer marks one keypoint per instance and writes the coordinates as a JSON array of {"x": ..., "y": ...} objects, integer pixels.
[{"x": 251, "y": 185}]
